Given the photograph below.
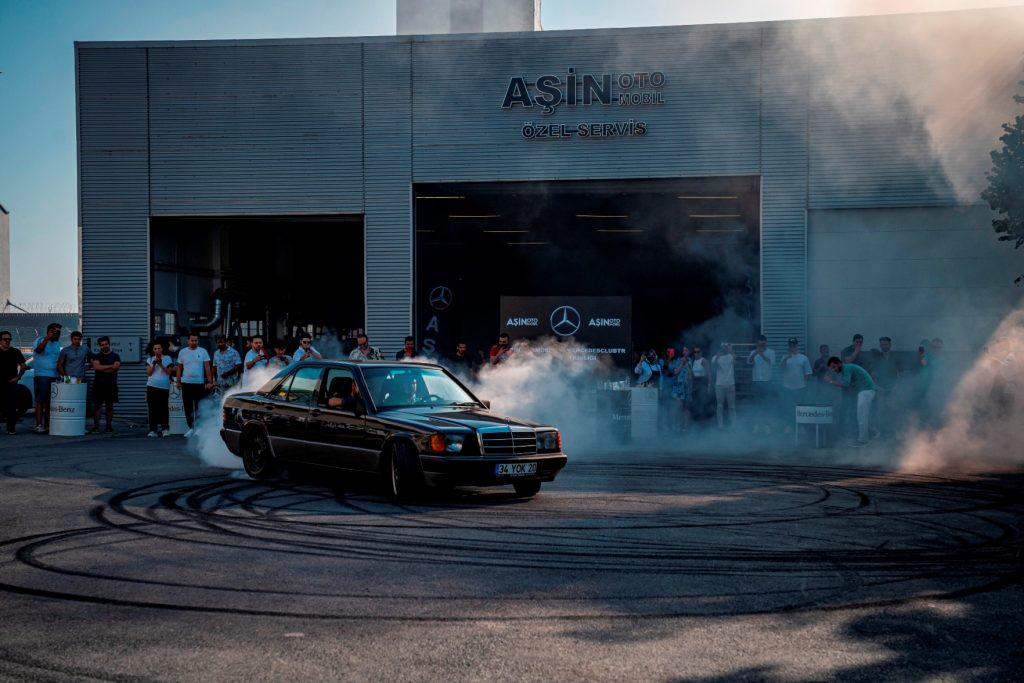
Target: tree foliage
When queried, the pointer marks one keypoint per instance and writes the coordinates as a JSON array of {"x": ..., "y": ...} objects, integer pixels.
[{"x": 1005, "y": 191}]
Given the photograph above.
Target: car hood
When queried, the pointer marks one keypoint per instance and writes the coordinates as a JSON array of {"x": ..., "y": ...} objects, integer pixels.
[{"x": 449, "y": 417}]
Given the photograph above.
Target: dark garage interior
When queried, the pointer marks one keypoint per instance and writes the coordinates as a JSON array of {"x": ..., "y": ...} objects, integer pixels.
[
  {"x": 276, "y": 274},
  {"x": 683, "y": 249}
]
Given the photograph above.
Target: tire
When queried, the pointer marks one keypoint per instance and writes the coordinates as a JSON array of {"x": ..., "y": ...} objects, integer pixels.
[
  {"x": 257, "y": 457},
  {"x": 402, "y": 476},
  {"x": 527, "y": 489}
]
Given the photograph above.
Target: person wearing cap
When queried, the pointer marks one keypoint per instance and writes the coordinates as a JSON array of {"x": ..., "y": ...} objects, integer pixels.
[
  {"x": 645, "y": 370},
  {"x": 796, "y": 368}
]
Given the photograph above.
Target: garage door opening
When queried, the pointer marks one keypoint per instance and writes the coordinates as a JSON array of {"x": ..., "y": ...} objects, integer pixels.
[
  {"x": 684, "y": 250},
  {"x": 275, "y": 275}
]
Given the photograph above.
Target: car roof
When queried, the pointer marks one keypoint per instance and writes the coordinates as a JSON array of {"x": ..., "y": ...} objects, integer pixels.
[{"x": 348, "y": 363}]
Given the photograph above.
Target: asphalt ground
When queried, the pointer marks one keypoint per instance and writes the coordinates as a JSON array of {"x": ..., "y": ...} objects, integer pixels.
[{"x": 123, "y": 558}]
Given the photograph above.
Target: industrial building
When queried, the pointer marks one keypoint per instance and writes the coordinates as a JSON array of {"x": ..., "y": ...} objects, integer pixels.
[{"x": 778, "y": 177}]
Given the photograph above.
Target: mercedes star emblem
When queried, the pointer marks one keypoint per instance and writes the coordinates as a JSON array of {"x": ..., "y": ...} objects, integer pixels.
[
  {"x": 440, "y": 298},
  {"x": 565, "y": 321}
]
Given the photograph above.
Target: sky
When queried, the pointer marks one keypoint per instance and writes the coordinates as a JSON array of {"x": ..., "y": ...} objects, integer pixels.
[{"x": 38, "y": 174}]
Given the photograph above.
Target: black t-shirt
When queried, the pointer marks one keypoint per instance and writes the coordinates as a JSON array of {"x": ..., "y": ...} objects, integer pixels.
[
  {"x": 863, "y": 358},
  {"x": 10, "y": 361},
  {"x": 106, "y": 359}
]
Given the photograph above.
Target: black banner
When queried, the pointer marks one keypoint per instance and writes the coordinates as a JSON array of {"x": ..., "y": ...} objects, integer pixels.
[{"x": 601, "y": 325}]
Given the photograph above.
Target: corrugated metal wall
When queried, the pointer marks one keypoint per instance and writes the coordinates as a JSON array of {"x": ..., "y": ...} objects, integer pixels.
[
  {"x": 256, "y": 129},
  {"x": 783, "y": 190},
  {"x": 387, "y": 70},
  {"x": 348, "y": 126},
  {"x": 113, "y": 202}
]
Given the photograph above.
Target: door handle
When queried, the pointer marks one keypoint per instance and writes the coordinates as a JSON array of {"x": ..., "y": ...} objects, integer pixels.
[{"x": 315, "y": 412}]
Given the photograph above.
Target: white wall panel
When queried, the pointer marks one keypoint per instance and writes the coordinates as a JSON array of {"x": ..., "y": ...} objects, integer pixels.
[{"x": 909, "y": 274}]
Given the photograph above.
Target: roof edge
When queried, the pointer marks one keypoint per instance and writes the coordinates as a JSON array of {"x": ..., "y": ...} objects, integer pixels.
[{"x": 540, "y": 35}]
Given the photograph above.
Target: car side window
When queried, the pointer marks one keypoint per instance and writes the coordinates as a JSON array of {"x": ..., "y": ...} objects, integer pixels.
[
  {"x": 337, "y": 385},
  {"x": 303, "y": 386},
  {"x": 280, "y": 392}
]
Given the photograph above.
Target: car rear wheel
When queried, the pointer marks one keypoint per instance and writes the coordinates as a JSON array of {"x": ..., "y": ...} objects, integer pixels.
[
  {"x": 257, "y": 457},
  {"x": 402, "y": 475},
  {"x": 526, "y": 488}
]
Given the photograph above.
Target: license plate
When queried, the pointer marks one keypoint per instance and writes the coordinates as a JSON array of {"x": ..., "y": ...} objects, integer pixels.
[{"x": 515, "y": 469}]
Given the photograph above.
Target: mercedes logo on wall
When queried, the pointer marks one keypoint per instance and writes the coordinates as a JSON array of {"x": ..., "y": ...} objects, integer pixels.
[
  {"x": 440, "y": 298},
  {"x": 565, "y": 321}
]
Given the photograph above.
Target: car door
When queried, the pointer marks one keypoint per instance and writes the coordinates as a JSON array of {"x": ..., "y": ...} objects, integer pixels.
[
  {"x": 338, "y": 431},
  {"x": 287, "y": 414}
]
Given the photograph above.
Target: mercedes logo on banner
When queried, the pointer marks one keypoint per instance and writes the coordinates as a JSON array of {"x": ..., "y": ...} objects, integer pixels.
[
  {"x": 565, "y": 321},
  {"x": 440, "y": 298}
]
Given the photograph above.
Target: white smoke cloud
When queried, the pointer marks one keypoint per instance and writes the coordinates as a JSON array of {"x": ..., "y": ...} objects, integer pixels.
[
  {"x": 206, "y": 443},
  {"x": 956, "y": 71},
  {"x": 546, "y": 381},
  {"x": 982, "y": 424}
]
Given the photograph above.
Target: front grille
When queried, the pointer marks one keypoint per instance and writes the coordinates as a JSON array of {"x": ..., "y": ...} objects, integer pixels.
[{"x": 509, "y": 441}]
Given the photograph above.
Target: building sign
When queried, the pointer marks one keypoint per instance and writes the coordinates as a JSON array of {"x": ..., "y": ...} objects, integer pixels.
[
  {"x": 596, "y": 325},
  {"x": 549, "y": 92},
  {"x": 814, "y": 415}
]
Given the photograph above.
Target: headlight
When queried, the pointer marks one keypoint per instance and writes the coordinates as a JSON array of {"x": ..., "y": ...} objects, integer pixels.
[
  {"x": 549, "y": 441},
  {"x": 441, "y": 443}
]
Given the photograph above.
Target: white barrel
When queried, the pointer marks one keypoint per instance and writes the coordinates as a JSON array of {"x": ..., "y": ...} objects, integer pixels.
[
  {"x": 176, "y": 412},
  {"x": 67, "y": 409},
  {"x": 643, "y": 413}
]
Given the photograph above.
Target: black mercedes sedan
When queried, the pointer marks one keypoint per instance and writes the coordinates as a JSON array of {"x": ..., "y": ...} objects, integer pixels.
[{"x": 414, "y": 424}]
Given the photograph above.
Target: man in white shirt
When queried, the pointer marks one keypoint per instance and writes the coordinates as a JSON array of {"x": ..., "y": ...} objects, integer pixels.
[
  {"x": 724, "y": 367},
  {"x": 796, "y": 368},
  {"x": 762, "y": 358},
  {"x": 194, "y": 374}
]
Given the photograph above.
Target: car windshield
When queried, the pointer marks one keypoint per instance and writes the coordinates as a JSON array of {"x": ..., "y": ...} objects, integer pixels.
[{"x": 411, "y": 385}]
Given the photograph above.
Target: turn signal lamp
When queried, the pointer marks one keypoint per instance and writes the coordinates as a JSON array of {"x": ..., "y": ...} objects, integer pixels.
[
  {"x": 439, "y": 443},
  {"x": 549, "y": 441}
]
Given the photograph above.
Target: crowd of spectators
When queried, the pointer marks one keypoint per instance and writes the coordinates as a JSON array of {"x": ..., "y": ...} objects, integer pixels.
[
  {"x": 51, "y": 363},
  {"x": 873, "y": 393}
]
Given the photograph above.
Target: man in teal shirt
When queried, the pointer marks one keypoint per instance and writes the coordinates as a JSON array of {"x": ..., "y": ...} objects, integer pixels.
[{"x": 858, "y": 380}]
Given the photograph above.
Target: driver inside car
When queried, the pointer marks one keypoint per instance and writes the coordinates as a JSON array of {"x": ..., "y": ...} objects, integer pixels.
[
  {"x": 405, "y": 393},
  {"x": 344, "y": 395}
]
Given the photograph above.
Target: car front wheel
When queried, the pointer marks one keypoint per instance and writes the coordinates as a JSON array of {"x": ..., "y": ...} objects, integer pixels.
[
  {"x": 402, "y": 475},
  {"x": 526, "y": 488},
  {"x": 257, "y": 457}
]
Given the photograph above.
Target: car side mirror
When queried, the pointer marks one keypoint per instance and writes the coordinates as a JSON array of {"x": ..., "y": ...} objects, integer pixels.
[{"x": 487, "y": 403}]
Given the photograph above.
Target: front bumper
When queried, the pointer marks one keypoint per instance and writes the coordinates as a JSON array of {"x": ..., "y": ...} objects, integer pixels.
[
  {"x": 232, "y": 439},
  {"x": 479, "y": 470}
]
